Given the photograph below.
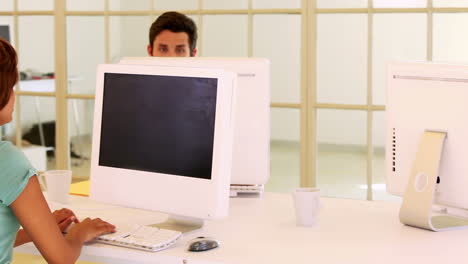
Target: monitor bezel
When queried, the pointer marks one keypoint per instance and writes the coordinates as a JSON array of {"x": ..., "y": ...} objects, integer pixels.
[{"x": 181, "y": 196}]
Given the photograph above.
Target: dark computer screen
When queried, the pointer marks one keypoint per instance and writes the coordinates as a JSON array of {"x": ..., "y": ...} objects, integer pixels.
[
  {"x": 162, "y": 124},
  {"x": 5, "y": 32}
]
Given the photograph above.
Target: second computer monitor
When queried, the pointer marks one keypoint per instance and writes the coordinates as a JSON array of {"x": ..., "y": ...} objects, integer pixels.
[
  {"x": 251, "y": 149},
  {"x": 428, "y": 97}
]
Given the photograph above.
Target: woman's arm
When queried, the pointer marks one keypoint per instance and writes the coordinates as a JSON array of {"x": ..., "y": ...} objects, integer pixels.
[
  {"x": 63, "y": 217},
  {"x": 22, "y": 238},
  {"x": 34, "y": 215}
]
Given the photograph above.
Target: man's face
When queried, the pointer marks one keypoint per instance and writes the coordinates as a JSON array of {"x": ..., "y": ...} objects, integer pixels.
[{"x": 170, "y": 44}]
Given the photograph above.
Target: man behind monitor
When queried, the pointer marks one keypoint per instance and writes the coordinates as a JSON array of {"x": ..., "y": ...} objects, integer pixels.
[{"x": 172, "y": 35}]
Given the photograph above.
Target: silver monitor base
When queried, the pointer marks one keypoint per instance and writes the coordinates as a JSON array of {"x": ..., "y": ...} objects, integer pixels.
[{"x": 417, "y": 207}]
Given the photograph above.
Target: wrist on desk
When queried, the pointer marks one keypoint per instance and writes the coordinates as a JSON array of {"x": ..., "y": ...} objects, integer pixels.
[{"x": 75, "y": 245}]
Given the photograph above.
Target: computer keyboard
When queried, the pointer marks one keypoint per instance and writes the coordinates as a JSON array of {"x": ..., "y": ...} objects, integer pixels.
[{"x": 141, "y": 237}]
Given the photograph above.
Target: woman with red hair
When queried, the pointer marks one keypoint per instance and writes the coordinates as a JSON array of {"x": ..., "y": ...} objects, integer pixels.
[{"x": 21, "y": 199}]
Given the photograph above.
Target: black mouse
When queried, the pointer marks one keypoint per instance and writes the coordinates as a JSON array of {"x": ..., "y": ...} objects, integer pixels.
[{"x": 202, "y": 244}]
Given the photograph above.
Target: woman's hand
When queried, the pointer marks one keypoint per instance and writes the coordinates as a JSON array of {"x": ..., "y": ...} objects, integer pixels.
[
  {"x": 34, "y": 215},
  {"x": 88, "y": 229},
  {"x": 64, "y": 218}
]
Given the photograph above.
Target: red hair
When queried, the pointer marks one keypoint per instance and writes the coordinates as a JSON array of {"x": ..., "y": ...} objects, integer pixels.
[{"x": 8, "y": 71}]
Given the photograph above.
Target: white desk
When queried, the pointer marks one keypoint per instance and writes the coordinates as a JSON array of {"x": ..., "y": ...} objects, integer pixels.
[{"x": 263, "y": 231}]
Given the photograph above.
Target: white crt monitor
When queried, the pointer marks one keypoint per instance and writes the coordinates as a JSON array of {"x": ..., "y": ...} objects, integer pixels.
[
  {"x": 422, "y": 97},
  {"x": 162, "y": 139},
  {"x": 251, "y": 149}
]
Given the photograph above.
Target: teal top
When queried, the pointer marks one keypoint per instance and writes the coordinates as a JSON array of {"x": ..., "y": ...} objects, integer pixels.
[{"x": 15, "y": 171}]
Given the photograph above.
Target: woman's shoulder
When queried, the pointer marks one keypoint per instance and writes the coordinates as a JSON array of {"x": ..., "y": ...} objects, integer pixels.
[
  {"x": 15, "y": 171},
  {"x": 5, "y": 144},
  {"x": 11, "y": 155},
  {"x": 6, "y": 147}
]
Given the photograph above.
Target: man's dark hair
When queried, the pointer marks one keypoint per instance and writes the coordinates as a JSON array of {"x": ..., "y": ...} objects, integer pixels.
[{"x": 174, "y": 22}]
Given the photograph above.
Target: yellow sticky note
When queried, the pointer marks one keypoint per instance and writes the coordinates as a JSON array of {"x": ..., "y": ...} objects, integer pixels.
[{"x": 80, "y": 188}]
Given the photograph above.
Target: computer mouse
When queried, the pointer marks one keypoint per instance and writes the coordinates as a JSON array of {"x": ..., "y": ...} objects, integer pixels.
[{"x": 202, "y": 244}]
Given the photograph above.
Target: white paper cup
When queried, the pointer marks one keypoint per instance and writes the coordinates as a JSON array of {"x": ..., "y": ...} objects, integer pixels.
[
  {"x": 307, "y": 204},
  {"x": 57, "y": 185}
]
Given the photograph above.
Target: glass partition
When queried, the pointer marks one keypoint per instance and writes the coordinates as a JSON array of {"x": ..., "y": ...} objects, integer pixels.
[
  {"x": 450, "y": 44},
  {"x": 342, "y": 3},
  {"x": 267, "y": 4},
  {"x": 175, "y": 5},
  {"x": 282, "y": 45},
  {"x": 284, "y": 150},
  {"x": 125, "y": 5},
  {"x": 342, "y": 58},
  {"x": 36, "y": 58},
  {"x": 85, "y": 50},
  {"x": 400, "y": 3},
  {"x": 450, "y": 3},
  {"x": 342, "y": 156},
  {"x": 128, "y": 36},
  {"x": 7, "y": 5},
  {"x": 80, "y": 125},
  {"x": 225, "y": 4},
  {"x": 219, "y": 42},
  {"x": 38, "y": 125},
  {"x": 397, "y": 37},
  {"x": 85, "y": 5},
  {"x": 30, "y": 5}
]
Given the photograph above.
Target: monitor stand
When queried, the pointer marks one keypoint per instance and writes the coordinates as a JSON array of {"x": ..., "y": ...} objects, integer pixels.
[
  {"x": 416, "y": 209},
  {"x": 181, "y": 223}
]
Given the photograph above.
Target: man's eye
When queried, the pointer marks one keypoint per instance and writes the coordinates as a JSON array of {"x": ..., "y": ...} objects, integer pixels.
[
  {"x": 180, "y": 51},
  {"x": 162, "y": 49}
]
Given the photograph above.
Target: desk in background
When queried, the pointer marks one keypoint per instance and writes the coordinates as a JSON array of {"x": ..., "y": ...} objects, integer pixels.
[
  {"x": 263, "y": 230},
  {"x": 47, "y": 86}
]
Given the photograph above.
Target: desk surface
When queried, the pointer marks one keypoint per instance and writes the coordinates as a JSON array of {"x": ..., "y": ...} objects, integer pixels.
[{"x": 263, "y": 230}]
